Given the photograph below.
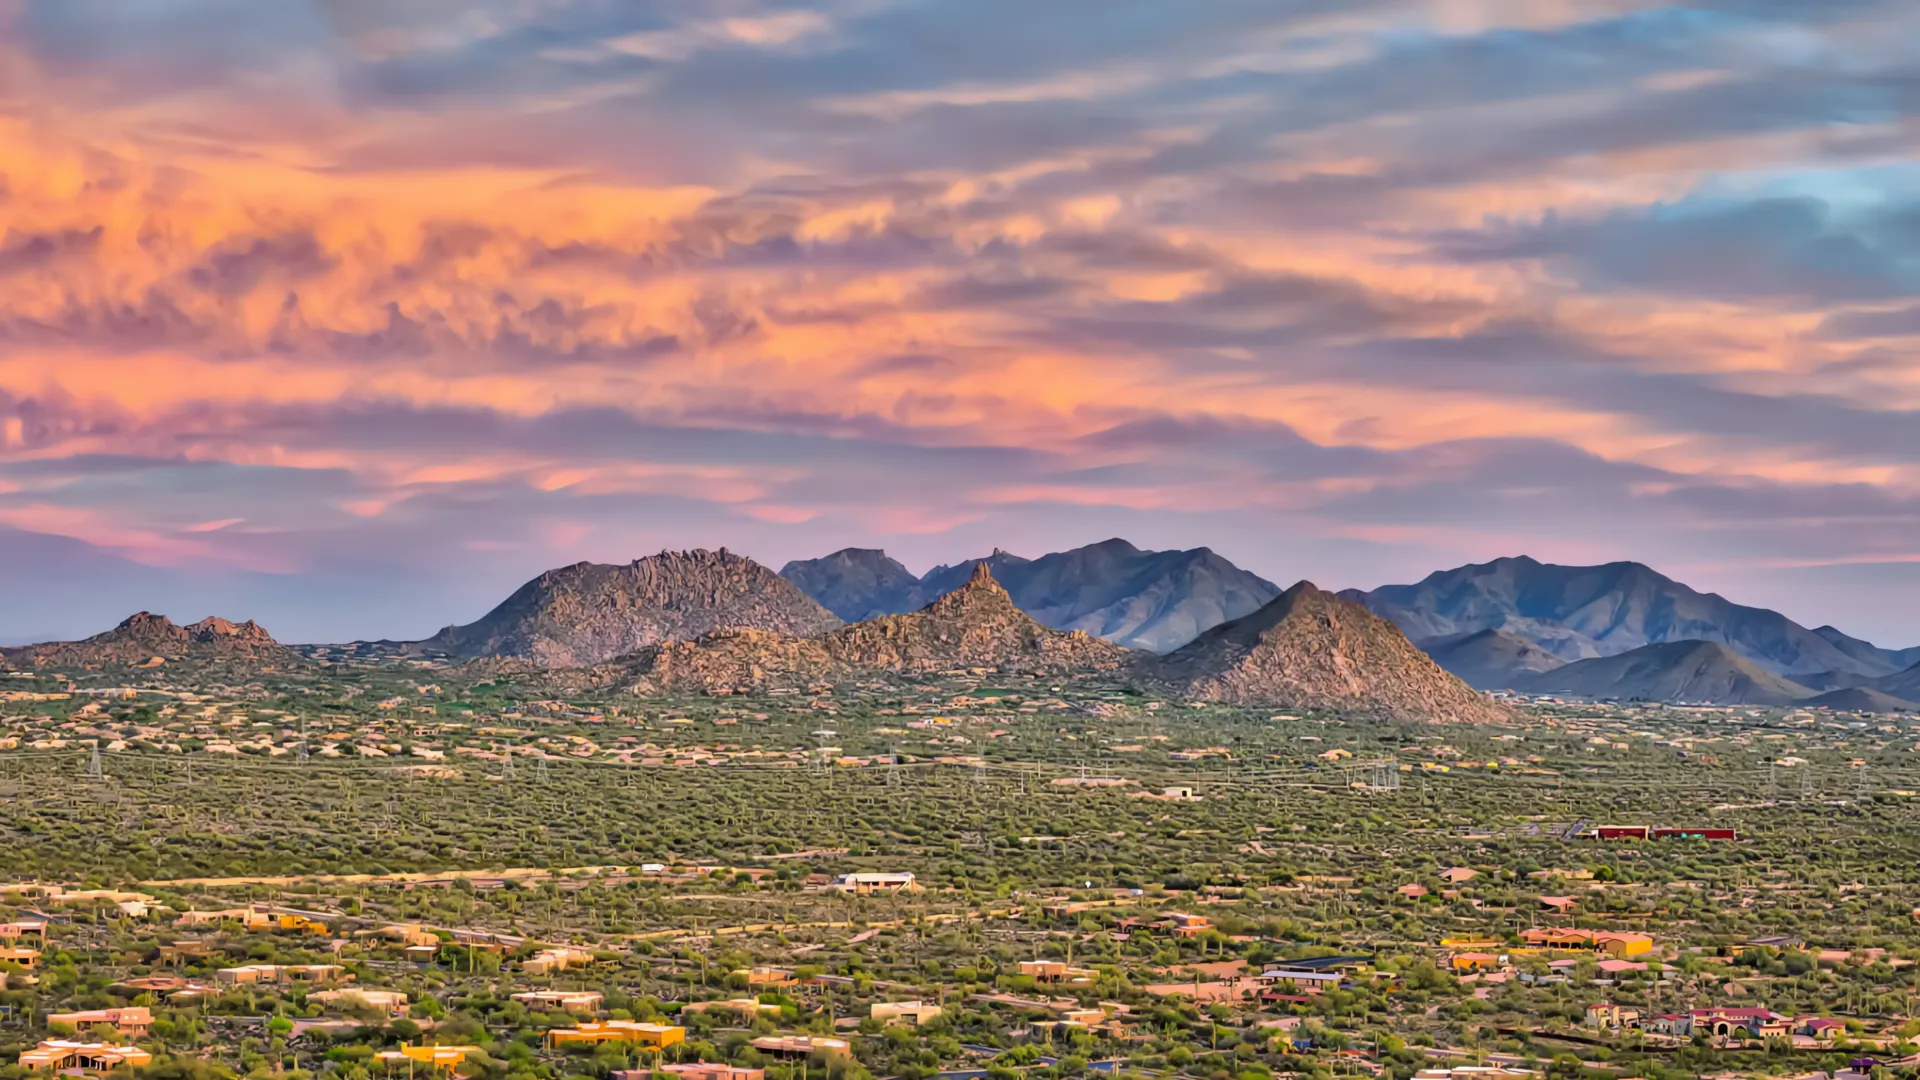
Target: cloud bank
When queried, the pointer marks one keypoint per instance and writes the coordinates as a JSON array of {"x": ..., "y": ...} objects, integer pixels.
[{"x": 350, "y": 316}]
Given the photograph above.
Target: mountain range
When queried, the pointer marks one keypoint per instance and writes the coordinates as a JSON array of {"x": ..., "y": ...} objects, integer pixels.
[
  {"x": 1625, "y": 631},
  {"x": 1153, "y": 600},
  {"x": 148, "y": 640},
  {"x": 1188, "y": 623},
  {"x": 1579, "y": 612},
  {"x": 976, "y": 626}
]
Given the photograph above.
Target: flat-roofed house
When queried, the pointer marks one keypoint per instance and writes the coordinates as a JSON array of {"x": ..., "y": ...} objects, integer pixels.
[
  {"x": 133, "y": 1021},
  {"x": 582, "y": 1002},
  {"x": 60, "y": 1055},
  {"x": 866, "y": 884},
  {"x": 799, "y": 1046},
  {"x": 393, "y": 1002},
  {"x": 248, "y": 974},
  {"x": 904, "y": 1012},
  {"x": 595, "y": 1032},
  {"x": 436, "y": 1057}
]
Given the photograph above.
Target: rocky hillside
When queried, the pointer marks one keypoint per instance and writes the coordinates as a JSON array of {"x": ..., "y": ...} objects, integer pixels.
[
  {"x": 1309, "y": 649},
  {"x": 1154, "y": 600},
  {"x": 1580, "y": 612},
  {"x": 1490, "y": 659},
  {"x": 586, "y": 613},
  {"x": 144, "y": 638},
  {"x": 974, "y": 626},
  {"x": 1684, "y": 671}
]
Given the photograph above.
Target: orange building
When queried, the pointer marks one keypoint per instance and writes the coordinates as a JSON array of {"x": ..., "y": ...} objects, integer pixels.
[
  {"x": 133, "y": 1021},
  {"x": 595, "y": 1032},
  {"x": 60, "y": 1055}
]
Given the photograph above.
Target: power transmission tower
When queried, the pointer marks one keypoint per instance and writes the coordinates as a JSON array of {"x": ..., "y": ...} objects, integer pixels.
[
  {"x": 506, "y": 769},
  {"x": 301, "y": 753},
  {"x": 540, "y": 769},
  {"x": 94, "y": 771},
  {"x": 1806, "y": 782},
  {"x": 893, "y": 767}
]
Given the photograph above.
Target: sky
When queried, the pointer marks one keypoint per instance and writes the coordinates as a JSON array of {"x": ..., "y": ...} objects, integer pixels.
[{"x": 351, "y": 315}]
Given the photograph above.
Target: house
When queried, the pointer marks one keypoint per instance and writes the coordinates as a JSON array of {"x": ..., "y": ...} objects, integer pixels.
[
  {"x": 869, "y": 884},
  {"x": 1680, "y": 1024},
  {"x": 1412, "y": 890},
  {"x": 1474, "y": 1072},
  {"x": 1189, "y": 926},
  {"x": 438, "y": 1057},
  {"x": 1621, "y": 944},
  {"x": 1744, "y": 1023},
  {"x": 913, "y": 1013},
  {"x": 1457, "y": 875},
  {"x": 61, "y": 1055},
  {"x": 24, "y": 957},
  {"x": 1055, "y": 971},
  {"x": 1607, "y": 1015},
  {"x": 132, "y": 1022},
  {"x": 1306, "y": 981},
  {"x": 404, "y": 934},
  {"x": 14, "y": 931},
  {"x": 595, "y": 1032},
  {"x": 247, "y": 917},
  {"x": 317, "y": 974},
  {"x": 392, "y": 1002},
  {"x": 1560, "y": 905},
  {"x": 767, "y": 976},
  {"x": 1824, "y": 1028},
  {"x": 799, "y": 1046},
  {"x": 182, "y": 951},
  {"x": 1475, "y": 961},
  {"x": 560, "y": 958},
  {"x": 1614, "y": 966},
  {"x": 692, "y": 1070},
  {"x": 1620, "y": 832},
  {"x": 581, "y": 1002}
]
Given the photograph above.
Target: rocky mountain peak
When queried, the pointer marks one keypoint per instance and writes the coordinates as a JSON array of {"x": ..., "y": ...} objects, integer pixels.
[
  {"x": 1311, "y": 649},
  {"x": 590, "y": 612}
]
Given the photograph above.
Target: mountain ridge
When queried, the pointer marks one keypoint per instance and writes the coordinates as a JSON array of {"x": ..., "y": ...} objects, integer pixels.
[
  {"x": 1692, "y": 671},
  {"x": 582, "y": 614},
  {"x": 1584, "y": 612},
  {"x": 1154, "y": 600},
  {"x": 143, "y": 637},
  {"x": 976, "y": 626}
]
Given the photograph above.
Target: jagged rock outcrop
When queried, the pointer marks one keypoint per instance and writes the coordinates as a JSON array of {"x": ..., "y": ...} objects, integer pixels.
[
  {"x": 584, "y": 614},
  {"x": 144, "y": 637},
  {"x": 1309, "y": 649},
  {"x": 974, "y": 626}
]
